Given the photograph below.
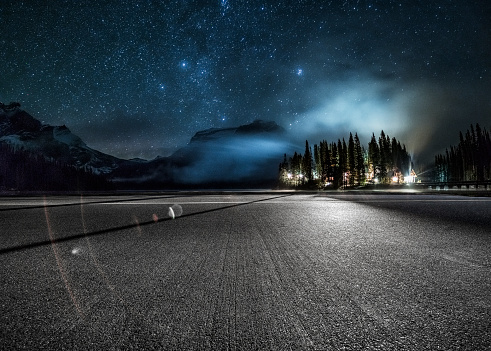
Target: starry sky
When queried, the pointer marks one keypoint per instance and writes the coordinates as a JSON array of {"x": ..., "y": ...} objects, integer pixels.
[{"x": 139, "y": 78}]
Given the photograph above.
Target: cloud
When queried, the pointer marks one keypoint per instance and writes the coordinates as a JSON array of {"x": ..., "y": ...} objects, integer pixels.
[
  {"x": 438, "y": 111},
  {"x": 246, "y": 159},
  {"x": 364, "y": 107},
  {"x": 424, "y": 115}
]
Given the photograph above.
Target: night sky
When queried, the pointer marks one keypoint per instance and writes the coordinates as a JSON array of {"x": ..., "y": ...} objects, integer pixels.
[{"x": 139, "y": 78}]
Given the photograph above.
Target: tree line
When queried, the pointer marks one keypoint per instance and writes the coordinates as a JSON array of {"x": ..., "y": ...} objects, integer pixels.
[
  {"x": 339, "y": 164},
  {"x": 470, "y": 160},
  {"x": 21, "y": 170}
]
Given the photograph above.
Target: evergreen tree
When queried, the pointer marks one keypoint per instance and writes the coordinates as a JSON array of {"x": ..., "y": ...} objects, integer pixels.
[
  {"x": 307, "y": 163},
  {"x": 317, "y": 161},
  {"x": 346, "y": 164},
  {"x": 326, "y": 161},
  {"x": 337, "y": 172},
  {"x": 385, "y": 157},
  {"x": 359, "y": 161},
  {"x": 470, "y": 160},
  {"x": 343, "y": 161},
  {"x": 374, "y": 157},
  {"x": 351, "y": 164},
  {"x": 24, "y": 171}
]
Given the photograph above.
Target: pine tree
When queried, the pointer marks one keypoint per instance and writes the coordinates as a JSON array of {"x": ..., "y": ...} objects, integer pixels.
[
  {"x": 351, "y": 164},
  {"x": 343, "y": 161},
  {"x": 374, "y": 157},
  {"x": 307, "y": 163},
  {"x": 470, "y": 160},
  {"x": 359, "y": 161},
  {"x": 336, "y": 175},
  {"x": 318, "y": 162},
  {"x": 385, "y": 157}
]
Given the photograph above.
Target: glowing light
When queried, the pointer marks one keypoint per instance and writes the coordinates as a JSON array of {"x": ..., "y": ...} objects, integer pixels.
[{"x": 395, "y": 179}]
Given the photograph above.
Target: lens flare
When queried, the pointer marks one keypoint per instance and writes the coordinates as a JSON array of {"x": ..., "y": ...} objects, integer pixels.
[
  {"x": 171, "y": 213},
  {"x": 175, "y": 211},
  {"x": 59, "y": 262}
]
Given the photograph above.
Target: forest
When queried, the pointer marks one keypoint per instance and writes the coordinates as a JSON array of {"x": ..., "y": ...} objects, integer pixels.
[
  {"x": 24, "y": 171},
  {"x": 340, "y": 164},
  {"x": 326, "y": 165},
  {"x": 470, "y": 160}
]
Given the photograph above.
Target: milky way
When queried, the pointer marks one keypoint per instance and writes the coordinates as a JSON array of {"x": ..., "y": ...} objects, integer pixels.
[{"x": 139, "y": 78}]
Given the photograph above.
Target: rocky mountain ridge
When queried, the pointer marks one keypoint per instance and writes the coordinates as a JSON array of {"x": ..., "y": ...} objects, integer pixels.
[
  {"x": 21, "y": 131},
  {"x": 248, "y": 153}
]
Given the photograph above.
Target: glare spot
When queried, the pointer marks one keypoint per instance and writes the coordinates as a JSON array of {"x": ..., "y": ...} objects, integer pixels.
[
  {"x": 137, "y": 222},
  {"x": 175, "y": 211}
]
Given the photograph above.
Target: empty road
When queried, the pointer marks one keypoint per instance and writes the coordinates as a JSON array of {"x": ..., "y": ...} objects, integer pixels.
[{"x": 265, "y": 271}]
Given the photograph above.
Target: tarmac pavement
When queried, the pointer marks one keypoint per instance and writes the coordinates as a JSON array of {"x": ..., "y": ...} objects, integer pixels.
[{"x": 272, "y": 271}]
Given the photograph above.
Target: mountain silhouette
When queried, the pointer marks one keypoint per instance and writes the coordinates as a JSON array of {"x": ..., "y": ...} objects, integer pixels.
[
  {"x": 21, "y": 131},
  {"x": 243, "y": 156}
]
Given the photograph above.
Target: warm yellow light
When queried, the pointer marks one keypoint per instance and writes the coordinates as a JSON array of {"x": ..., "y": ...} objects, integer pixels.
[{"x": 395, "y": 179}]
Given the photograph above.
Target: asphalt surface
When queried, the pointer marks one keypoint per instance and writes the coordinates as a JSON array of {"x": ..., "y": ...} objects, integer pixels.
[{"x": 246, "y": 272}]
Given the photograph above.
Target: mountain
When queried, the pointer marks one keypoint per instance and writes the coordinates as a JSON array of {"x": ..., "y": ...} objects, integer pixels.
[
  {"x": 243, "y": 139},
  {"x": 244, "y": 156},
  {"x": 23, "y": 132}
]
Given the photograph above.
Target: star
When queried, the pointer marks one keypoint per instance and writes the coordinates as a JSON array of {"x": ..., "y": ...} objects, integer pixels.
[{"x": 167, "y": 62}]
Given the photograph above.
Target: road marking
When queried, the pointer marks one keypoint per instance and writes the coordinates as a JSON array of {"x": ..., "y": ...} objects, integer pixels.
[
  {"x": 19, "y": 204},
  {"x": 164, "y": 203},
  {"x": 419, "y": 200}
]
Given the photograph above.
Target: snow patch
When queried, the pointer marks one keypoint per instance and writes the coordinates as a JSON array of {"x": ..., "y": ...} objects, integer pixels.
[
  {"x": 14, "y": 141},
  {"x": 65, "y": 136}
]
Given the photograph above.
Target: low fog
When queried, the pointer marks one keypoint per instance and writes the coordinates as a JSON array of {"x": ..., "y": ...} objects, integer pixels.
[
  {"x": 242, "y": 159},
  {"x": 426, "y": 117}
]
